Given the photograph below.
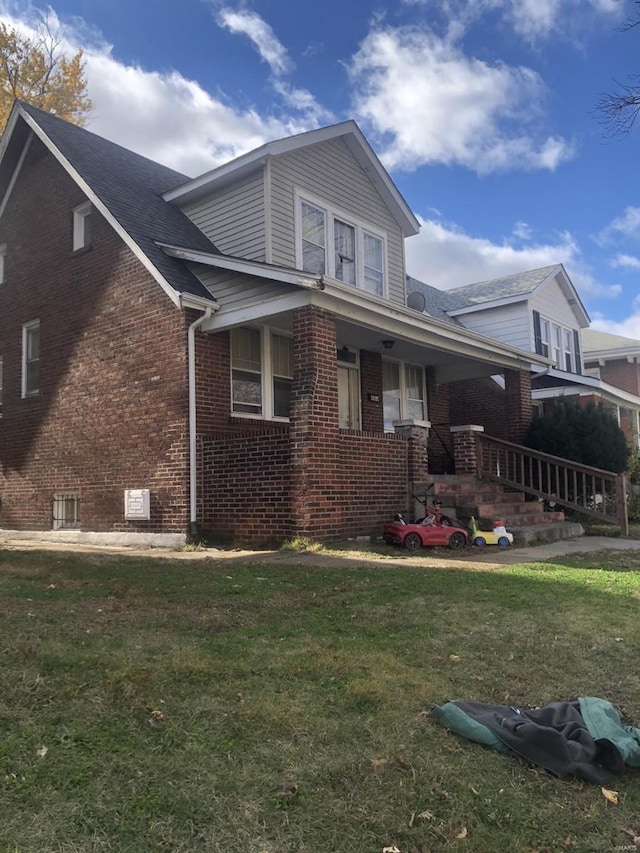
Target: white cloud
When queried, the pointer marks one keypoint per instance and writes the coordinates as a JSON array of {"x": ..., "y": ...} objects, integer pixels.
[
  {"x": 532, "y": 20},
  {"x": 429, "y": 103},
  {"x": 629, "y": 328},
  {"x": 260, "y": 33},
  {"x": 625, "y": 225},
  {"x": 445, "y": 256},
  {"x": 626, "y": 261},
  {"x": 522, "y": 231},
  {"x": 164, "y": 115}
]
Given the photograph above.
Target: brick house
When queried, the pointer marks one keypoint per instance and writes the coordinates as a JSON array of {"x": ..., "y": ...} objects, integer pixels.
[{"x": 232, "y": 353}]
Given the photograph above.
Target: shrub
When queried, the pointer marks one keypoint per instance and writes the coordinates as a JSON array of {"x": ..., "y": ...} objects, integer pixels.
[{"x": 588, "y": 434}]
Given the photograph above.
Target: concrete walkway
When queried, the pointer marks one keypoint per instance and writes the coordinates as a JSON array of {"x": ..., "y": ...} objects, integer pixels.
[{"x": 427, "y": 557}]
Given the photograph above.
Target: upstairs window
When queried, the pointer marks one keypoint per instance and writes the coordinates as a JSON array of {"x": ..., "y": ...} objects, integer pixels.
[
  {"x": 261, "y": 373},
  {"x": 557, "y": 342},
  {"x": 31, "y": 358},
  {"x": 340, "y": 247},
  {"x": 82, "y": 226},
  {"x": 403, "y": 393}
]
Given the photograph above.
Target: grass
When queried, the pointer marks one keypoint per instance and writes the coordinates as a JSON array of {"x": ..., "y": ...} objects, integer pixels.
[{"x": 219, "y": 705}]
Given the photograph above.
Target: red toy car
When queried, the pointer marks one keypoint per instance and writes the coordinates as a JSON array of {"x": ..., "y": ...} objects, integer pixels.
[{"x": 434, "y": 530}]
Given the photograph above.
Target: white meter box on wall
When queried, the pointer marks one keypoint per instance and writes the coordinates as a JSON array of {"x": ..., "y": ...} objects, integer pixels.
[{"x": 137, "y": 504}]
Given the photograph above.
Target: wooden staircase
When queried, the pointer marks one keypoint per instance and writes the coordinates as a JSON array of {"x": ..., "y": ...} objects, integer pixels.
[{"x": 464, "y": 496}]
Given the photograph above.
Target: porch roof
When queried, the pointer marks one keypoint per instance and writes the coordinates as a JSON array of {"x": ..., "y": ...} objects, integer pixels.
[{"x": 364, "y": 320}]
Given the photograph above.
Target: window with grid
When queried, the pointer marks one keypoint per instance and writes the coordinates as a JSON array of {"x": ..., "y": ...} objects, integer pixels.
[{"x": 66, "y": 511}]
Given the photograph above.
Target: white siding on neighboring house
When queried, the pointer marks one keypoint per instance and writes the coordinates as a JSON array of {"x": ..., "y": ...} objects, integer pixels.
[
  {"x": 328, "y": 171},
  {"x": 234, "y": 218},
  {"x": 236, "y": 290},
  {"x": 510, "y": 324},
  {"x": 552, "y": 304}
]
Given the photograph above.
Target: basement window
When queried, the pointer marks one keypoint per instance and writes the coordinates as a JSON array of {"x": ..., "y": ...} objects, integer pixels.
[
  {"x": 82, "y": 227},
  {"x": 66, "y": 511}
]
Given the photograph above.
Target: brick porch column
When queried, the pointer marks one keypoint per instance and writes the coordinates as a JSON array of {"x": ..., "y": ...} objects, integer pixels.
[
  {"x": 314, "y": 425},
  {"x": 465, "y": 449},
  {"x": 517, "y": 402},
  {"x": 418, "y": 450}
]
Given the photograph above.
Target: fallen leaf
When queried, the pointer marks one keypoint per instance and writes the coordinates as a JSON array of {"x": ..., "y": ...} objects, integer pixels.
[
  {"x": 155, "y": 718},
  {"x": 42, "y": 751},
  {"x": 378, "y": 764},
  {"x": 618, "y": 639},
  {"x": 427, "y": 815},
  {"x": 463, "y": 833},
  {"x": 455, "y": 658},
  {"x": 393, "y": 849},
  {"x": 611, "y": 796}
]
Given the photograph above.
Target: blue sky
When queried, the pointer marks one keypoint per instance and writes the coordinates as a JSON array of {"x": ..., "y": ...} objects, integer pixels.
[{"x": 483, "y": 111}]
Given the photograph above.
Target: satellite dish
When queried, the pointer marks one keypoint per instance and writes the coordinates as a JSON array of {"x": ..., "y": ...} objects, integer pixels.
[{"x": 417, "y": 301}]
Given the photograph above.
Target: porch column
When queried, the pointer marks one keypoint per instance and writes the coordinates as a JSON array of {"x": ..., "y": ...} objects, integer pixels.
[
  {"x": 371, "y": 391},
  {"x": 314, "y": 425},
  {"x": 418, "y": 450},
  {"x": 517, "y": 401},
  {"x": 465, "y": 448}
]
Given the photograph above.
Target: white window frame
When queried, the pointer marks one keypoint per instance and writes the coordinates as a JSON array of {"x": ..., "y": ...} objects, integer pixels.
[
  {"x": 26, "y": 331},
  {"x": 81, "y": 235},
  {"x": 331, "y": 214},
  {"x": 266, "y": 374},
  {"x": 404, "y": 395}
]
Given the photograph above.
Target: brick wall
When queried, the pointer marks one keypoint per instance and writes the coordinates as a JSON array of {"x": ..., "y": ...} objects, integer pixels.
[
  {"x": 505, "y": 414},
  {"x": 623, "y": 375},
  {"x": 112, "y": 409},
  {"x": 371, "y": 386},
  {"x": 440, "y": 443},
  {"x": 245, "y": 486}
]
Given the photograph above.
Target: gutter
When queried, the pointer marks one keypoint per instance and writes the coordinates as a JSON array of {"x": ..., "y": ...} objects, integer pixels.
[{"x": 191, "y": 370}]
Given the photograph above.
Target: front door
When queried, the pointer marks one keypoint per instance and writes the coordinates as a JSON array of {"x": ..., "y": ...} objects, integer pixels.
[{"x": 348, "y": 398}]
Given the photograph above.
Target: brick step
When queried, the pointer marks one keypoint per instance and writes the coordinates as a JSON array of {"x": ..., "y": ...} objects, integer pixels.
[
  {"x": 481, "y": 496},
  {"x": 513, "y": 522}
]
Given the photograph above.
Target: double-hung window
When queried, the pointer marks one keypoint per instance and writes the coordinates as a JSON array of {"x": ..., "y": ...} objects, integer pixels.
[
  {"x": 557, "y": 342},
  {"x": 31, "y": 358},
  {"x": 403, "y": 393},
  {"x": 340, "y": 247},
  {"x": 261, "y": 373}
]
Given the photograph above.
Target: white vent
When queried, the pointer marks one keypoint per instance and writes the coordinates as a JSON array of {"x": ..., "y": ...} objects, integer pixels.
[{"x": 137, "y": 504}]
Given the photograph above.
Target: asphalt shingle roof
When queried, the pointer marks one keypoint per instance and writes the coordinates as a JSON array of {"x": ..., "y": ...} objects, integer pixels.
[
  {"x": 594, "y": 341},
  {"x": 131, "y": 187},
  {"x": 517, "y": 284},
  {"x": 437, "y": 302}
]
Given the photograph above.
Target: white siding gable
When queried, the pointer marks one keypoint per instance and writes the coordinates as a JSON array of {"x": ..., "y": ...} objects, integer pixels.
[{"x": 510, "y": 324}]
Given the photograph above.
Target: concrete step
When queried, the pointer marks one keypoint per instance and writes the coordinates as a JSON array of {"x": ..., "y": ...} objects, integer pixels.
[{"x": 539, "y": 533}]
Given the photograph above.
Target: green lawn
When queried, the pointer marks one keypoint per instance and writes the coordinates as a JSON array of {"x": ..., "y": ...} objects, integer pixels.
[{"x": 203, "y": 705}]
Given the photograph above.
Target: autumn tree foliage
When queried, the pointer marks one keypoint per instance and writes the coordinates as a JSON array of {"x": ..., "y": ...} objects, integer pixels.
[{"x": 34, "y": 69}]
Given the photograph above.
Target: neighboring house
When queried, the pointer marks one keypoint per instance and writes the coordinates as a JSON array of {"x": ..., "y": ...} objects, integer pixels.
[
  {"x": 232, "y": 353},
  {"x": 540, "y": 310},
  {"x": 614, "y": 362}
]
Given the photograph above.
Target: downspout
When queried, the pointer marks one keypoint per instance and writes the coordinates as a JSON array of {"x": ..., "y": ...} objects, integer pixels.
[{"x": 193, "y": 471}]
